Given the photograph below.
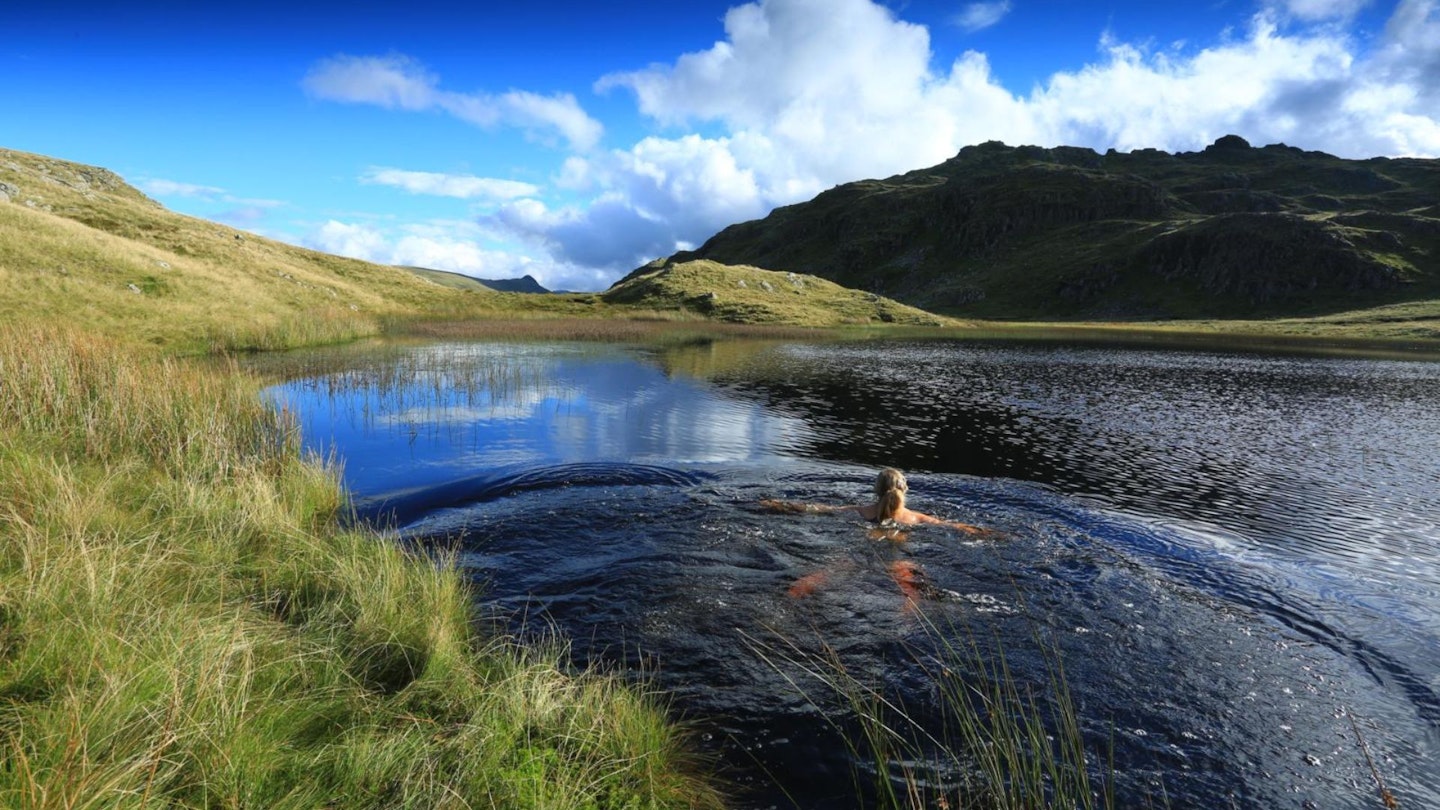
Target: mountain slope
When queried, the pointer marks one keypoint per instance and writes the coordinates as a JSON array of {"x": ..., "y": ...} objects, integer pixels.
[
  {"x": 78, "y": 243},
  {"x": 1026, "y": 232}
]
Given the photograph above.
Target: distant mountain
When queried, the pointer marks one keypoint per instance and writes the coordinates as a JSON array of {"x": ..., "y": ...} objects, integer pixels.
[
  {"x": 447, "y": 278},
  {"x": 1026, "y": 232},
  {"x": 523, "y": 284}
]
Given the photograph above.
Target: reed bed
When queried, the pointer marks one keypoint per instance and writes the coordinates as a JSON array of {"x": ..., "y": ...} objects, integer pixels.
[
  {"x": 183, "y": 623},
  {"x": 325, "y": 326}
]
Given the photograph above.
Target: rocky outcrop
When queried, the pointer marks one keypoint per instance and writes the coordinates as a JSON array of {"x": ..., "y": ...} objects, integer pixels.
[
  {"x": 1266, "y": 258},
  {"x": 41, "y": 172}
]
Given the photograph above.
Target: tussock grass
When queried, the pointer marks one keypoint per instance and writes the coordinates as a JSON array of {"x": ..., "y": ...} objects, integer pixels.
[
  {"x": 183, "y": 623},
  {"x": 997, "y": 742}
]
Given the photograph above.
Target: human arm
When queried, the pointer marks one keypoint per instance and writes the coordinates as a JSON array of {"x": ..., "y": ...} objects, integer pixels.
[
  {"x": 798, "y": 508},
  {"x": 976, "y": 531}
]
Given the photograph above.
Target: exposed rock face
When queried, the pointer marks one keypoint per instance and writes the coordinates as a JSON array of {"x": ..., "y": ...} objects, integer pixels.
[
  {"x": 1027, "y": 231},
  {"x": 33, "y": 180},
  {"x": 1266, "y": 258}
]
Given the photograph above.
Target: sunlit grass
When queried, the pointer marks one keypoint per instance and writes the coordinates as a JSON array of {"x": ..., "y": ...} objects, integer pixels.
[
  {"x": 183, "y": 623},
  {"x": 76, "y": 247}
]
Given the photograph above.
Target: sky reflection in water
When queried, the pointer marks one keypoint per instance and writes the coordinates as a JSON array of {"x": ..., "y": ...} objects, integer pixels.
[{"x": 548, "y": 405}]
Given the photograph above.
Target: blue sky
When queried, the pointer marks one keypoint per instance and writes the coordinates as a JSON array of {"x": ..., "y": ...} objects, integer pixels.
[{"x": 575, "y": 141}]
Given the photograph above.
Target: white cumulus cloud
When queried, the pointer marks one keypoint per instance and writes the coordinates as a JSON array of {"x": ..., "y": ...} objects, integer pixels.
[
  {"x": 346, "y": 239},
  {"x": 462, "y": 186},
  {"x": 400, "y": 82},
  {"x": 456, "y": 246}
]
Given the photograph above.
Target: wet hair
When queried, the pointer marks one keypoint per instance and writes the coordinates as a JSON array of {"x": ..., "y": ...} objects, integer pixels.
[{"x": 890, "y": 488}]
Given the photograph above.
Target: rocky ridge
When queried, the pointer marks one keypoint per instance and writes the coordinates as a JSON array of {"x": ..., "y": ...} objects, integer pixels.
[{"x": 1234, "y": 230}]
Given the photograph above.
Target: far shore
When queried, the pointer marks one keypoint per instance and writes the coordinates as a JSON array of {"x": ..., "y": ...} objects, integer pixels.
[{"x": 1358, "y": 336}]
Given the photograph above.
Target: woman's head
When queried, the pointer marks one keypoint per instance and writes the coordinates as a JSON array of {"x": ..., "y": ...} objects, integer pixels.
[{"x": 890, "y": 488}]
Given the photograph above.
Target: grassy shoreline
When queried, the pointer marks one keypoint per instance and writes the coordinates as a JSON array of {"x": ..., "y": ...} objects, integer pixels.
[
  {"x": 1230, "y": 336},
  {"x": 184, "y": 623}
]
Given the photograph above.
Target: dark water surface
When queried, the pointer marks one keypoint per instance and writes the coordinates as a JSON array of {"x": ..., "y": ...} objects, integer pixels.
[{"x": 1237, "y": 557}]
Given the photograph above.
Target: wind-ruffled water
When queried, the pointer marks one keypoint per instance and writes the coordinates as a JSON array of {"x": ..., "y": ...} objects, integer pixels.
[{"x": 1237, "y": 557}]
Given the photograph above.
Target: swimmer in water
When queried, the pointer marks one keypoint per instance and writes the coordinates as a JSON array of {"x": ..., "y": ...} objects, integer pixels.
[
  {"x": 889, "y": 511},
  {"x": 889, "y": 506}
]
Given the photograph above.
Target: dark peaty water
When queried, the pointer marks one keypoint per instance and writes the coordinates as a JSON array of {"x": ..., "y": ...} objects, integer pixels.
[{"x": 1237, "y": 557}]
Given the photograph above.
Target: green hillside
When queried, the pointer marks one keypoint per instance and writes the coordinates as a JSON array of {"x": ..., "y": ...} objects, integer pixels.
[
  {"x": 1232, "y": 232},
  {"x": 751, "y": 295},
  {"x": 79, "y": 244}
]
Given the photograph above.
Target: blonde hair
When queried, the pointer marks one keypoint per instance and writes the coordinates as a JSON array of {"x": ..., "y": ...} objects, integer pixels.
[{"x": 890, "y": 489}]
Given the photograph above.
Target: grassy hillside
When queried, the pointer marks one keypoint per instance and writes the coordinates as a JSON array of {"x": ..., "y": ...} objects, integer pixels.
[
  {"x": 78, "y": 244},
  {"x": 1232, "y": 232},
  {"x": 445, "y": 278},
  {"x": 750, "y": 295}
]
